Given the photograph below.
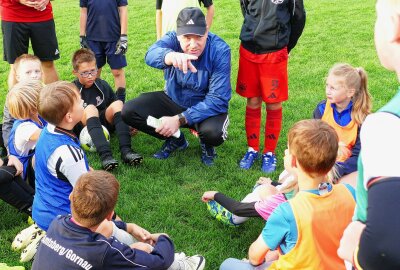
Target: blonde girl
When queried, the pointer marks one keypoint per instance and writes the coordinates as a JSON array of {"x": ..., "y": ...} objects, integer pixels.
[
  {"x": 345, "y": 108},
  {"x": 22, "y": 104}
]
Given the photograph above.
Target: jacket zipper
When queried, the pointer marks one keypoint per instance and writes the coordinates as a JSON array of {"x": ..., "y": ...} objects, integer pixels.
[{"x": 261, "y": 17}]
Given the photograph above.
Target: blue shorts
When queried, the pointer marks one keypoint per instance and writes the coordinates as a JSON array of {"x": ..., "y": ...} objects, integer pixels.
[{"x": 105, "y": 52}]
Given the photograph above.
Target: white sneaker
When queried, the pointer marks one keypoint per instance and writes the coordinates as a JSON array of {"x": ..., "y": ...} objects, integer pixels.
[
  {"x": 29, "y": 252},
  {"x": 195, "y": 262},
  {"x": 24, "y": 238},
  {"x": 180, "y": 256}
]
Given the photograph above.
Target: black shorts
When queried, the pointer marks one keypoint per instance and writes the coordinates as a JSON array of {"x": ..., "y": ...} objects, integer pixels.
[
  {"x": 103, "y": 120},
  {"x": 16, "y": 36},
  {"x": 102, "y": 117}
]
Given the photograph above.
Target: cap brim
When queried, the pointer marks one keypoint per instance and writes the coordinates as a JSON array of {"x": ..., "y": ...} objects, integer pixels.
[{"x": 191, "y": 30}]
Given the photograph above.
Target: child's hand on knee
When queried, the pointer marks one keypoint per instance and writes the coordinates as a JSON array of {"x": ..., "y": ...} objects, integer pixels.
[
  {"x": 208, "y": 196},
  {"x": 138, "y": 232},
  {"x": 264, "y": 180}
]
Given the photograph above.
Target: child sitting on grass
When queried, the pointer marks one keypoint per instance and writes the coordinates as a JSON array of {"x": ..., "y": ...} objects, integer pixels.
[
  {"x": 101, "y": 108},
  {"x": 74, "y": 242},
  {"x": 27, "y": 67},
  {"x": 60, "y": 161},
  {"x": 261, "y": 202},
  {"x": 307, "y": 228},
  {"x": 22, "y": 103},
  {"x": 347, "y": 104}
]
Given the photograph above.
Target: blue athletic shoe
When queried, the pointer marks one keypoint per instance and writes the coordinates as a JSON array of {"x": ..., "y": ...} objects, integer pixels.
[
  {"x": 268, "y": 162},
  {"x": 248, "y": 160},
  {"x": 170, "y": 145},
  {"x": 220, "y": 213},
  {"x": 208, "y": 154}
]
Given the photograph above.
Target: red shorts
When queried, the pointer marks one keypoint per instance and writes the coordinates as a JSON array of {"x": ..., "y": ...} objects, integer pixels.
[{"x": 263, "y": 75}]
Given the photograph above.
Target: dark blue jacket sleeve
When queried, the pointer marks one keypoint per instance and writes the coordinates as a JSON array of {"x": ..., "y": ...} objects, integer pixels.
[
  {"x": 156, "y": 53},
  {"x": 120, "y": 256},
  {"x": 219, "y": 90},
  {"x": 319, "y": 110}
]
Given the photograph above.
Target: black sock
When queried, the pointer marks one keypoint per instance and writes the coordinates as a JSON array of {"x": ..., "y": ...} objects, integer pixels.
[
  {"x": 122, "y": 131},
  {"x": 96, "y": 132},
  {"x": 121, "y": 94}
]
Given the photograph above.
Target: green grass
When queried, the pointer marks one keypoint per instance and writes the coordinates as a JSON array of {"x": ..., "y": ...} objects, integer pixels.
[{"x": 164, "y": 196}]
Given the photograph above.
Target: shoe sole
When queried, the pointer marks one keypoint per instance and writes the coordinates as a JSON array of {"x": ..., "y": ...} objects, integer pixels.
[
  {"x": 110, "y": 167},
  {"x": 134, "y": 162}
]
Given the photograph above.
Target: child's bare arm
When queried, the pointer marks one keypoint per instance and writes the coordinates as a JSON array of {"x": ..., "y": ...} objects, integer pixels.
[
  {"x": 123, "y": 17},
  {"x": 138, "y": 232},
  {"x": 257, "y": 251},
  {"x": 83, "y": 21},
  {"x": 210, "y": 16}
]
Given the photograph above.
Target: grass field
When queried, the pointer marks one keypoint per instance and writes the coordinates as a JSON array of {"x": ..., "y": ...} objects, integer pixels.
[{"x": 164, "y": 196}]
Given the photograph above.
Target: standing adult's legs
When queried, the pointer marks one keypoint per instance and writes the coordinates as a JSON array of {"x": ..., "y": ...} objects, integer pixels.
[{"x": 49, "y": 72}]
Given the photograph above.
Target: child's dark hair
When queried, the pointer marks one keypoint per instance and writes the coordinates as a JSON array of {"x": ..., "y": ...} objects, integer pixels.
[
  {"x": 355, "y": 78},
  {"x": 82, "y": 56},
  {"x": 56, "y": 100},
  {"x": 94, "y": 197}
]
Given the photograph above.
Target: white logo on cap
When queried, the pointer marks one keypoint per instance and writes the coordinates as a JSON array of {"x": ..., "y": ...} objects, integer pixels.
[{"x": 190, "y": 22}]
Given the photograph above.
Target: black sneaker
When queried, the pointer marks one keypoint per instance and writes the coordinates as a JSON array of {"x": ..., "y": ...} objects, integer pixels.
[
  {"x": 132, "y": 158},
  {"x": 109, "y": 163}
]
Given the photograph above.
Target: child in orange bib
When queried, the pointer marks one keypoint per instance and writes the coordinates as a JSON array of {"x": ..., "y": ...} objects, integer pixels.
[
  {"x": 306, "y": 230},
  {"x": 347, "y": 104}
]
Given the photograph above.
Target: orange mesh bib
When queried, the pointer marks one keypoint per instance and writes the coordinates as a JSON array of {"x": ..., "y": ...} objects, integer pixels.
[
  {"x": 320, "y": 221},
  {"x": 347, "y": 134}
]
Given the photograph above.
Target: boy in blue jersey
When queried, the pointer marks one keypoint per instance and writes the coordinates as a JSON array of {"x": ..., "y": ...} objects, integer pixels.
[
  {"x": 73, "y": 242},
  {"x": 60, "y": 161},
  {"x": 103, "y": 29}
]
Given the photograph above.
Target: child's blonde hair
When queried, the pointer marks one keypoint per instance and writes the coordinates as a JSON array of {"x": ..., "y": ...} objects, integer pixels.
[
  {"x": 22, "y": 99},
  {"x": 22, "y": 58},
  {"x": 355, "y": 78}
]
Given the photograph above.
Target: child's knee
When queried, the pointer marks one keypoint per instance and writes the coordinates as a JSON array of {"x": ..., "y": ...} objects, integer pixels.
[
  {"x": 116, "y": 106},
  {"x": 91, "y": 111},
  {"x": 118, "y": 72},
  {"x": 254, "y": 102}
]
